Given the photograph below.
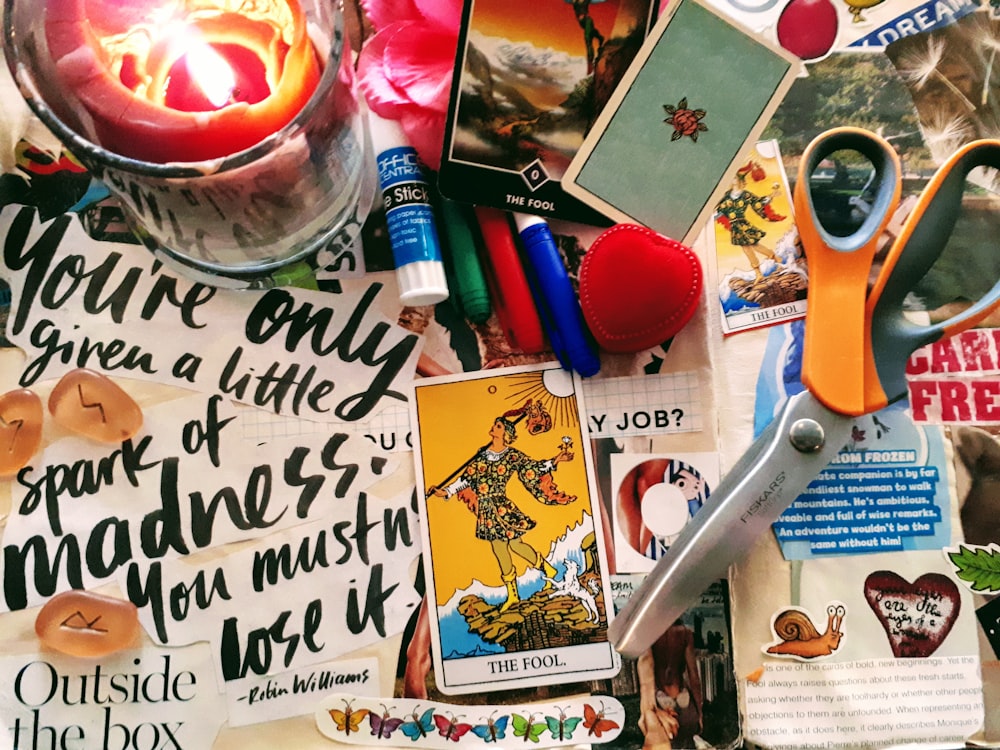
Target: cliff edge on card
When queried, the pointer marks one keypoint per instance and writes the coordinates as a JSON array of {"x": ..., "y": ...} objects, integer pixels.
[{"x": 534, "y": 623}]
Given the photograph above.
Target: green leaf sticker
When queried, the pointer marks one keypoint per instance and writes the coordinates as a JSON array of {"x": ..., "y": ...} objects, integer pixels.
[{"x": 977, "y": 566}]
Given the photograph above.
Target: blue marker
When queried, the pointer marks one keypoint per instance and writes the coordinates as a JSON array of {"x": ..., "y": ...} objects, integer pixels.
[
  {"x": 409, "y": 215},
  {"x": 557, "y": 304}
]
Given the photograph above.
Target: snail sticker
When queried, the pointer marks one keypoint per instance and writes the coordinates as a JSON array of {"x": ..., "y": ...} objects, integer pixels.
[{"x": 798, "y": 637}]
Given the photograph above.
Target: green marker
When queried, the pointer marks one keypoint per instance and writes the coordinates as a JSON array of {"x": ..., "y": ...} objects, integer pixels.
[{"x": 462, "y": 260}]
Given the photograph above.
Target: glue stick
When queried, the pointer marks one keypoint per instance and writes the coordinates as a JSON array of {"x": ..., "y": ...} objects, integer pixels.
[{"x": 409, "y": 215}]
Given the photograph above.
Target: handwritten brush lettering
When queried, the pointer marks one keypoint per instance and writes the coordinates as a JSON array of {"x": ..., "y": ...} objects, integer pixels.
[
  {"x": 197, "y": 434},
  {"x": 84, "y": 303},
  {"x": 326, "y": 679},
  {"x": 187, "y": 514},
  {"x": 173, "y": 595},
  {"x": 346, "y": 579},
  {"x": 52, "y": 282},
  {"x": 82, "y": 478},
  {"x": 330, "y": 459},
  {"x": 277, "y": 312},
  {"x": 243, "y": 647},
  {"x": 258, "y": 654},
  {"x": 374, "y": 606},
  {"x": 46, "y": 340},
  {"x": 95, "y": 513},
  {"x": 161, "y": 531},
  {"x": 147, "y": 590},
  {"x": 278, "y": 563}
]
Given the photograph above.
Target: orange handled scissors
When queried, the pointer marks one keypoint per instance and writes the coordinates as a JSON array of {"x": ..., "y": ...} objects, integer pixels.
[{"x": 857, "y": 343}]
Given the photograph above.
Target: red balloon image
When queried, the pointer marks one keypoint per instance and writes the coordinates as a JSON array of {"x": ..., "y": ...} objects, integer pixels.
[{"x": 808, "y": 28}]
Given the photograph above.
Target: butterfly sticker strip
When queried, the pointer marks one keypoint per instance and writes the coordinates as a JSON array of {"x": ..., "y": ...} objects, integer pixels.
[
  {"x": 450, "y": 727},
  {"x": 400, "y": 722},
  {"x": 526, "y": 729},
  {"x": 595, "y": 722},
  {"x": 417, "y": 727},
  {"x": 492, "y": 730},
  {"x": 383, "y": 726},
  {"x": 563, "y": 726},
  {"x": 348, "y": 719}
]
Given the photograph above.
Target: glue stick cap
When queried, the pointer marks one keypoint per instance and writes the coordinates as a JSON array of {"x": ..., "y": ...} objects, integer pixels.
[
  {"x": 422, "y": 283},
  {"x": 407, "y": 195},
  {"x": 386, "y": 133}
]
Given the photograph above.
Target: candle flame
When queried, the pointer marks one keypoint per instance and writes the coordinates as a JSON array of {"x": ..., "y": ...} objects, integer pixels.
[
  {"x": 213, "y": 75},
  {"x": 274, "y": 12},
  {"x": 141, "y": 55}
]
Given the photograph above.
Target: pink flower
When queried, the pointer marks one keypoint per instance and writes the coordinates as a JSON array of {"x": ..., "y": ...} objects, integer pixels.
[{"x": 405, "y": 70}]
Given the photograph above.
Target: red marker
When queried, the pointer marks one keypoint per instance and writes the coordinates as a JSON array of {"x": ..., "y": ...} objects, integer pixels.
[{"x": 512, "y": 300}]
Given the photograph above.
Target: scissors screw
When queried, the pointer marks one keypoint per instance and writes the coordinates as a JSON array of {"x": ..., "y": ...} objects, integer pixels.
[{"x": 806, "y": 435}]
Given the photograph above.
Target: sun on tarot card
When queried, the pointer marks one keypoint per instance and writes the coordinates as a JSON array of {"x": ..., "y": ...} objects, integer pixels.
[{"x": 518, "y": 591}]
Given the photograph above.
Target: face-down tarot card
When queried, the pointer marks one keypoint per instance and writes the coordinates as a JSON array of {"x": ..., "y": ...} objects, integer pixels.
[{"x": 677, "y": 128}]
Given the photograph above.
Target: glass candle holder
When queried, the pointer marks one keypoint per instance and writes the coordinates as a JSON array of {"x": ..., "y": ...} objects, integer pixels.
[{"x": 228, "y": 178}]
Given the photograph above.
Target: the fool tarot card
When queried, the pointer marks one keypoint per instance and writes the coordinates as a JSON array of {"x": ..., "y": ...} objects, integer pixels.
[
  {"x": 529, "y": 82},
  {"x": 762, "y": 270},
  {"x": 518, "y": 591}
]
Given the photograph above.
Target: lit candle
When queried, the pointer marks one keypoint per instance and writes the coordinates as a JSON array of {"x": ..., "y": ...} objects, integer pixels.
[{"x": 187, "y": 80}]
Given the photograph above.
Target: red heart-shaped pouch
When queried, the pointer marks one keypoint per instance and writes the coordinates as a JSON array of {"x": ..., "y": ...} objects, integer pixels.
[{"x": 638, "y": 288}]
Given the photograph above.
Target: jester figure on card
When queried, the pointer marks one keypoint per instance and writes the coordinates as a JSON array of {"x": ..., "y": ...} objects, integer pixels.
[
  {"x": 731, "y": 213},
  {"x": 482, "y": 485}
]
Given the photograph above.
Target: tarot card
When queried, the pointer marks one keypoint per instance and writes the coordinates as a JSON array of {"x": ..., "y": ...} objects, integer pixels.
[
  {"x": 678, "y": 126},
  {"x": 762, "y": 269},
  {"x": 517, "y": 587},
  {"x": 656, "y": 496},
  {"x": 528, "y": 85}
]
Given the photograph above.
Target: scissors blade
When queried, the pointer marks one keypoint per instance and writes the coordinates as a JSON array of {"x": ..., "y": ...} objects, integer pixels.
[{"x": 765, "y": 481}]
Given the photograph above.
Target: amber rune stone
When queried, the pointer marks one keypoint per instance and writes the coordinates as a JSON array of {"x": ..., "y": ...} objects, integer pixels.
[
  {"x": 91, "y": 404},
  {"x": 20, "y": 429},
  {"x": 82, "y": 623}
]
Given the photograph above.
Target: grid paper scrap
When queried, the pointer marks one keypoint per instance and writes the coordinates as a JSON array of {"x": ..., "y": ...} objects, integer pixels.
[
  {"x": 616, "y": 407},
  {"x": 389, "y": 429},
  {"x": 651, "y": 405}
]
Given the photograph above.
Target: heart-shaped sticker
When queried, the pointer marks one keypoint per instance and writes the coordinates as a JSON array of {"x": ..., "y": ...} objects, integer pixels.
[
  {"x": 638, "y": 288},
  {"x": 916, "y": 616}
]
